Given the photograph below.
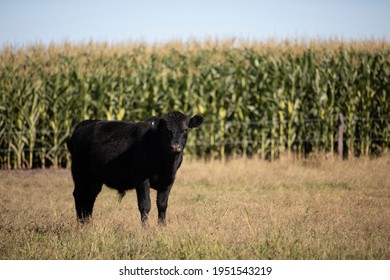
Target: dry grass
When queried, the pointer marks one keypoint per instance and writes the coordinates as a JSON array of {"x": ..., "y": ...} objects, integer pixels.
[{"x": 244, "y": 209}]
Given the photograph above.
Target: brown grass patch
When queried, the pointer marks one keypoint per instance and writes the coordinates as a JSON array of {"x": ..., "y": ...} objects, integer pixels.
[{"x": 243, "y": 209}]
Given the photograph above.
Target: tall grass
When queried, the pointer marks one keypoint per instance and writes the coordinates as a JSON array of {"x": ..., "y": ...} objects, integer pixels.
[{"x": 259, "y": 99}]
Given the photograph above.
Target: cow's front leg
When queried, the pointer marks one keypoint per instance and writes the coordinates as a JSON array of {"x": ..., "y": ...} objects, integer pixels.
[
  {"x": 143, "y": 198},
  {"x": 162, "y": 204}
]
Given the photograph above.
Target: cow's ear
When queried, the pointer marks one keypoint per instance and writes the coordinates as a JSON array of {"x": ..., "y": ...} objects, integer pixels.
[
  {"x": 162, "y": 124},
  {"x": 153, "y": 121},
  {"x": 195, "y": 121}
]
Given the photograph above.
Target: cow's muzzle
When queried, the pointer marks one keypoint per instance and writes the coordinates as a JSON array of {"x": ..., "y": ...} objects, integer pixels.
[{"x": 176, "y": 148}]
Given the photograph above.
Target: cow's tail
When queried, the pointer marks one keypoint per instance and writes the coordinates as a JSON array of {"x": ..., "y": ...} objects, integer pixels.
[
  {"x": 69, "y": 144},
  {"x": 121, "y": 194}
]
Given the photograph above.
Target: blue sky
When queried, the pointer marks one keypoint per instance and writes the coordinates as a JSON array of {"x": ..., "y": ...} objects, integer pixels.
[{"x": 24, "y": 22}]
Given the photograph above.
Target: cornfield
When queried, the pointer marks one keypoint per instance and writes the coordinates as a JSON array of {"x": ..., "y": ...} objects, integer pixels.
[{"x": 259, "y": 99}]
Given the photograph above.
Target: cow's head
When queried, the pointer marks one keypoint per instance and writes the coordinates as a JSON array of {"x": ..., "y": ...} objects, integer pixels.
[{"x": 173, "y": 128}]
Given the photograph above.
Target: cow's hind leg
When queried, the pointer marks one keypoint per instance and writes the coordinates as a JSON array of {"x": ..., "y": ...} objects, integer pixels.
[{"x": 84, "y": 197}]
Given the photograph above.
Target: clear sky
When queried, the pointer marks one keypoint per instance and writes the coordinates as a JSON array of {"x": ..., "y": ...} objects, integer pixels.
[{"x": 29, "y": 21}]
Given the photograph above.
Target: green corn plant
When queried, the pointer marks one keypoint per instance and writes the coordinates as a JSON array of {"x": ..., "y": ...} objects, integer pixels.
[
  {"x": 31, "y": 117},
  {"x": 293, "y": 107}
]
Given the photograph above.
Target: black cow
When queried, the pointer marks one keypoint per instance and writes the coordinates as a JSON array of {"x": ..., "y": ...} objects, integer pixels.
[{"x": 128, "y": 155}]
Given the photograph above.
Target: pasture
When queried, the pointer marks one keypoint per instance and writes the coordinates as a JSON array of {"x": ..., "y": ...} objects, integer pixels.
[{"x": 242, "y": 209}]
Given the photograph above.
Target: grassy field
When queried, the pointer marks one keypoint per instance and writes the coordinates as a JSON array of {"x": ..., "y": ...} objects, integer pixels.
[{"x": 243, "y": 209}]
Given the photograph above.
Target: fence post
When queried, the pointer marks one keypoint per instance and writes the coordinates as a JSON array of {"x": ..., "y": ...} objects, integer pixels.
[{"x": 340, "y": 136}]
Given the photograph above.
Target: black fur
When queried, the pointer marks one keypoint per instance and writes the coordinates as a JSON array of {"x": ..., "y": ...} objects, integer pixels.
[{"x": 128, "y": 155}]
